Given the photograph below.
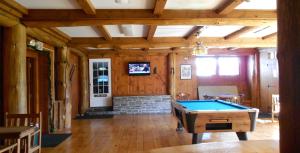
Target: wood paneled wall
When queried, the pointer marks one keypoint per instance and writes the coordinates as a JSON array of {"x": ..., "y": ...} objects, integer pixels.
[
  {"x": 186, "y": 86},
  {"x": 75, "y": 83},
  {"x": 125, "y": 85}
]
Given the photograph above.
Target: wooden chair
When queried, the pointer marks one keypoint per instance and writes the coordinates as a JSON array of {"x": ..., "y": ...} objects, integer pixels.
[
  {"x": 183, "y": 96},
  {"x": 17, "y": 120},
  {"x": 275, "y": 105},
  {"x": 8, "y": 149}
]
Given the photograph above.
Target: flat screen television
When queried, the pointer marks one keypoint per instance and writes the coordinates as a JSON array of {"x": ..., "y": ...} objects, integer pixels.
[{"x": 139, "y": 68}]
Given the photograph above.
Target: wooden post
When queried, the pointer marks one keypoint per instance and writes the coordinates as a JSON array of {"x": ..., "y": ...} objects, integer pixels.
[
  {"x": 15, "y": 69},
  {"x": 84, "y": 84},
  {"x": 63, "y": 84},
  {"x": 256, "y": 81},
  {"x": 84, "y": 80},
  {"x": 289, "y": 74},
  {"x": 172, "y": 74}
]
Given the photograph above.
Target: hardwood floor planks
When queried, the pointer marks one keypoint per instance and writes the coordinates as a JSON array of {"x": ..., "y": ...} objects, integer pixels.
[{"x": 139, "y": 133}]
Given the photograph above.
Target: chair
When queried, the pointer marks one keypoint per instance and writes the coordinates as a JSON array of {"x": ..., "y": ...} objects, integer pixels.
[
  {"x": 275, "y": 105},
  {"x": 8, "y": 149},
  {"x": 183, "y": 96},
  {"x": 17, "y": 120}
]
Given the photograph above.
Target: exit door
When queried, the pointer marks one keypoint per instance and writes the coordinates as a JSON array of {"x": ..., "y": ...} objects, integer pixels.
[
  {"x": 100, "y": 82},
  {"x": 269, "y": 78}
]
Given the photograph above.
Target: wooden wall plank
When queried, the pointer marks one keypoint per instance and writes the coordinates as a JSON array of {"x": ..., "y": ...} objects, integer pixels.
[{"x": 125, "y": 85}]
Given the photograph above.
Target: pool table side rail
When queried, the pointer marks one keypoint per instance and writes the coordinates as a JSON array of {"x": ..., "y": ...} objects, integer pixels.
[{"x": 244, "y": 108}]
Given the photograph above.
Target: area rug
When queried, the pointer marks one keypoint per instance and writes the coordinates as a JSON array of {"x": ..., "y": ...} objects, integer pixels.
[
  {"x": 52, "y": 140},
  {"x": 94, "y": 116}
]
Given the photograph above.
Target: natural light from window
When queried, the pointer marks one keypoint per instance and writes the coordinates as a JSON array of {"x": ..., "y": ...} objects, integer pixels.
[
  {"x": 229, "y": 66},
  {"x": 206, "y": 66}
]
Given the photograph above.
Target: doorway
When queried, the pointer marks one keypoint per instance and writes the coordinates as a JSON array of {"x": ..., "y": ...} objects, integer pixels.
[
  {"x": 100, "y": 82},
  {"x": 31, "y": 77},
  {"x": 269, "y": 78}
]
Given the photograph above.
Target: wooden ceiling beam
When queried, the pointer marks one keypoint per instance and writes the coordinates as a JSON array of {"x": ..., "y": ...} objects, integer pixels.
[
  {"x": 270, "y": 36},
  {"x": 87, "y": 6},
  {"x": 229, "y": 6},
  {"x": 125, "y": 43},
  {"x": 57, "y": 18},
  {"x": 240, "y": 32},
  {"x": 193, "y": 32},
  {"x": 151, "y": 32},
  {"x": 54, "y": 32},
  {"x": 104, "y": 32},
  {"x": 15, "y": 6},
  {"x": 159, "y": 7},
  {"x": 44, "y": 37}
]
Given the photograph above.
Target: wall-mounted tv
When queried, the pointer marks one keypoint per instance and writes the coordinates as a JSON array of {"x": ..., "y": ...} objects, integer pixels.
[{"x": 139, "y": 68}]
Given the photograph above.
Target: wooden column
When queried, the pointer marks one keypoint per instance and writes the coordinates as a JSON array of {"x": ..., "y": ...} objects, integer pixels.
[
  {"x": 63, "y": 84},
  {"x": 256, "y": 81},
  {"x": 84, "y": 84},
  {"x": 172, "y": 74},
  {"x": 84, "y": 80},
  {"x": 15, "y": 69},
  {"x": 289, "y": 74}
]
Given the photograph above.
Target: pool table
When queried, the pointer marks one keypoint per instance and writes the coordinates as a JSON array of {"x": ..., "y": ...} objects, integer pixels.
[{"x": 199, "y": 116}]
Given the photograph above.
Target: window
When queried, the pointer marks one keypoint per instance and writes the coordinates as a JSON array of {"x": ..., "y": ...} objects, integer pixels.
[
  {"x": 222, "y": 66},
  {"x": 229, "y": 66},
  {"x": 206, "y": 66}
]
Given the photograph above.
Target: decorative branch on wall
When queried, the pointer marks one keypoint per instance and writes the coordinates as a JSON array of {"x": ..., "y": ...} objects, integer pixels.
[{"x": 72, "y": 71}]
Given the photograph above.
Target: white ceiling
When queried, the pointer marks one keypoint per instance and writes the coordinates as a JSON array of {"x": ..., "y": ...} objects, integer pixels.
[
  {"x": 261, "y": 32},
  {"x": 172, "y": 31},
  {"x": 82, "y": 31},
  {"x": 219, "y": 31},
  {"x": 127, "y": 30},
  {"x": 49, "y": 4},
  {"x": 258, "y": 4},
  {"x": 193, "y": 4},
  {"x": 132, "y": 4},
  {"x": 145, "y": 4}
]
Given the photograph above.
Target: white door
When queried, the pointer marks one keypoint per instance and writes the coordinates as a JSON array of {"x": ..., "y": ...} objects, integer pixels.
[{"x": 100, "y": 82}]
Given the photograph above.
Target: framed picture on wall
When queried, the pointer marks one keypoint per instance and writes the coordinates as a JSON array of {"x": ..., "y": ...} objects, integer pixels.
[{"x": 185, "y": 72}]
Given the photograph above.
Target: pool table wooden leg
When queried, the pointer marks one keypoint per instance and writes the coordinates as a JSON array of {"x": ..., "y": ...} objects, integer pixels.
[
  {"x": 179, "y": 127},
  {"x": 242, "y": 136},
  {"x": 197, "y": 138}
]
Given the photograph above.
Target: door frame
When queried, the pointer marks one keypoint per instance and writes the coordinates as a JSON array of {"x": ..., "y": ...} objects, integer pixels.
[{"x": 109, "y": 81}]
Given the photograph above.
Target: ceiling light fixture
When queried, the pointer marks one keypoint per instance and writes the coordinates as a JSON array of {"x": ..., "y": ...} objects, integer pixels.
[{"x": 199, "y": 49}]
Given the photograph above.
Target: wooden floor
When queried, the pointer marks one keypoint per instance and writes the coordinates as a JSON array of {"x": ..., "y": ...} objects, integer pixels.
[{"x": 138, "y": 133}]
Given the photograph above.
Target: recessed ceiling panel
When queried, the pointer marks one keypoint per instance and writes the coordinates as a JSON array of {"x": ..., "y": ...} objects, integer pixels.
[
  {"x": 82, "y": 31},
  {"x": 194, "y": 4},
  {"x": 172, "y": 31},
  {"x": 219, "y": 31},
  {"x": 49, "y": 4},
  {"x": 261, "y": 32},
  {"x": 127, "y": 30},
  {"x": 258, "y": 4},
  {"x": 124, "y": 4}
]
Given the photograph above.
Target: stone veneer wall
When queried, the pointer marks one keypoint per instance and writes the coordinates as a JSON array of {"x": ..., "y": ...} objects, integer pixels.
[{"x": 142, "y": 104}]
